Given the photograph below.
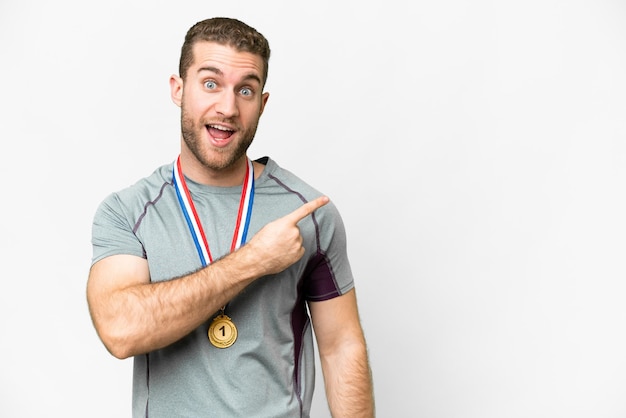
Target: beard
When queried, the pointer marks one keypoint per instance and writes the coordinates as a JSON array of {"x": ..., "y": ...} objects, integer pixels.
[{"x": 192, "y": 133}]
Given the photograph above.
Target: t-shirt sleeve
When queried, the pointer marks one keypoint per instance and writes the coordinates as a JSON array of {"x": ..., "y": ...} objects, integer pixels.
[
  {"x": 328, "y": 273},
  {"x": 112, "y": 231}
]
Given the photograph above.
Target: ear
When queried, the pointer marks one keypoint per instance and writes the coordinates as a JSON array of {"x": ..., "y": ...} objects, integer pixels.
[
  {"x": 176, "y": 89},
  {"x": 264, "y": 98}
]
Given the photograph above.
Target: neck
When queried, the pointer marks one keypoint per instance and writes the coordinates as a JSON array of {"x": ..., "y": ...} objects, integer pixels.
[{"x": 232, "y": 175}]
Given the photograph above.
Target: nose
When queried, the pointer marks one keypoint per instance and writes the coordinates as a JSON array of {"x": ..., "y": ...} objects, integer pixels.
[{"x": 226, "y": 104}]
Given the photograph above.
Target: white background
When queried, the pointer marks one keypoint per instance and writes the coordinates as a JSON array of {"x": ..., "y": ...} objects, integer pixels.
[{"x": 475, "y": 149}]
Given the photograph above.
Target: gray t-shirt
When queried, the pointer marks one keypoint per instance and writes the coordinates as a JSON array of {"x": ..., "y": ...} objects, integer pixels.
[{"x": 269, "y": 370}]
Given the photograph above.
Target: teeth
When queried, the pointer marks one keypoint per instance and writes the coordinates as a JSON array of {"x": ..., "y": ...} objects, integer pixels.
[{"x": 221, "y": 128}]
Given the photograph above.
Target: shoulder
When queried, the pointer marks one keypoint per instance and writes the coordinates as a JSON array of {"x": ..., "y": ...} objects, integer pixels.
[
  {"x": 278, "y": 177},
  {"x": 286, "y": 191},
  {"x": 145, "y": 191},
  {"x": 147, "y": 186}
]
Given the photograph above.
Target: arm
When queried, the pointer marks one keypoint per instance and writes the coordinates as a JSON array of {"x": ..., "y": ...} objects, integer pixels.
[
  {"x": 343, "y": 354},
  {"x": 134, "y": 316}
]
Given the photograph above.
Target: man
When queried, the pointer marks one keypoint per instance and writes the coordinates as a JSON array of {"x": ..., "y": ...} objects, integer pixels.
[{"x": 204, "y": 270}]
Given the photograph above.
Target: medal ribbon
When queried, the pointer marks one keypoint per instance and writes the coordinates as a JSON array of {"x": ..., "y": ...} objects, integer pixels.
[{"x": 193, "y": 220}]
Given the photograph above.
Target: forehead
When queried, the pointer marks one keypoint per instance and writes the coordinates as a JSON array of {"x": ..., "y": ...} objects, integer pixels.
[{"x": 226, "y": 59}]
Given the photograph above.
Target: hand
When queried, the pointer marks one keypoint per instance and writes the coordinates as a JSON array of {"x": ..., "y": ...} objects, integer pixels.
[{"x": 279, "y": 243}]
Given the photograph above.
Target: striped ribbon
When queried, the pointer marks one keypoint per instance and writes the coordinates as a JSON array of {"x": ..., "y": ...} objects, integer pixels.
[{"x": 193, "y": 220}]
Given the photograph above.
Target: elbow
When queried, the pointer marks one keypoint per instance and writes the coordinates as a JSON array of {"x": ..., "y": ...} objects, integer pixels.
[
  {"x": 117, "y": 335},
  {"x": 118, "y": 351},
  {"x": 118, "y": 344}
]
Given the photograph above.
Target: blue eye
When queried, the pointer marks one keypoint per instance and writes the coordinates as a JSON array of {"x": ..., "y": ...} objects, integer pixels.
[
  {"x": 245, "y": 91},
  {"x": 210, "y": 85}
]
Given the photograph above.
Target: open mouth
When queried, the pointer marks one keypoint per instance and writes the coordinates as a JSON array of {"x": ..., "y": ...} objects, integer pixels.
[{"x": 219, "y": 132}]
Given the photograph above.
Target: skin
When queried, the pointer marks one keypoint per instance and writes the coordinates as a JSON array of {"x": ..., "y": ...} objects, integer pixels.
[{"x": 223, "y": 90}]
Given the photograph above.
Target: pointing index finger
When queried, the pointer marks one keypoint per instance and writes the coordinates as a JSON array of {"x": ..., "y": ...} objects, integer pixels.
[{"x": 307, "y": 209}]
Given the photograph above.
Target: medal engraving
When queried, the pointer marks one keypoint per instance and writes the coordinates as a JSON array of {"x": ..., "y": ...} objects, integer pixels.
[{"x": 222, "y": 332}]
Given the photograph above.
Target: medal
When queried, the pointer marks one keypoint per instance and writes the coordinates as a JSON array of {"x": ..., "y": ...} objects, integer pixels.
[{"x": 222, "y": 331}]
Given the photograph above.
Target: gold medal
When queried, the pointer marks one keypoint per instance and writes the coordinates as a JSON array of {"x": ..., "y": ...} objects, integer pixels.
[{"x": 222, "y": 332}]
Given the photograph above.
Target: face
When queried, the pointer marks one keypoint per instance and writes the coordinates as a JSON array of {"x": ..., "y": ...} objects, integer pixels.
[{"x": 221, "y": 102}]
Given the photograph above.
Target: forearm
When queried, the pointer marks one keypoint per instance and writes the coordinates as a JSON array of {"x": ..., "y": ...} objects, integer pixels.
[
  {"x": 143, "y": 317},
  {"x": 348, "y": 382},
  {"x": 134, "y": 316}
]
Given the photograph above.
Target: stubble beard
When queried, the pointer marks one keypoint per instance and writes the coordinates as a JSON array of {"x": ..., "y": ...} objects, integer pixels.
[{"x": 192, "y": 135}]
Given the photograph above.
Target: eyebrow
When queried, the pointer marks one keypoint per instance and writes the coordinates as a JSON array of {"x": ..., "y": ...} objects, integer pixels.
[{"x": 250, "y": 76}]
